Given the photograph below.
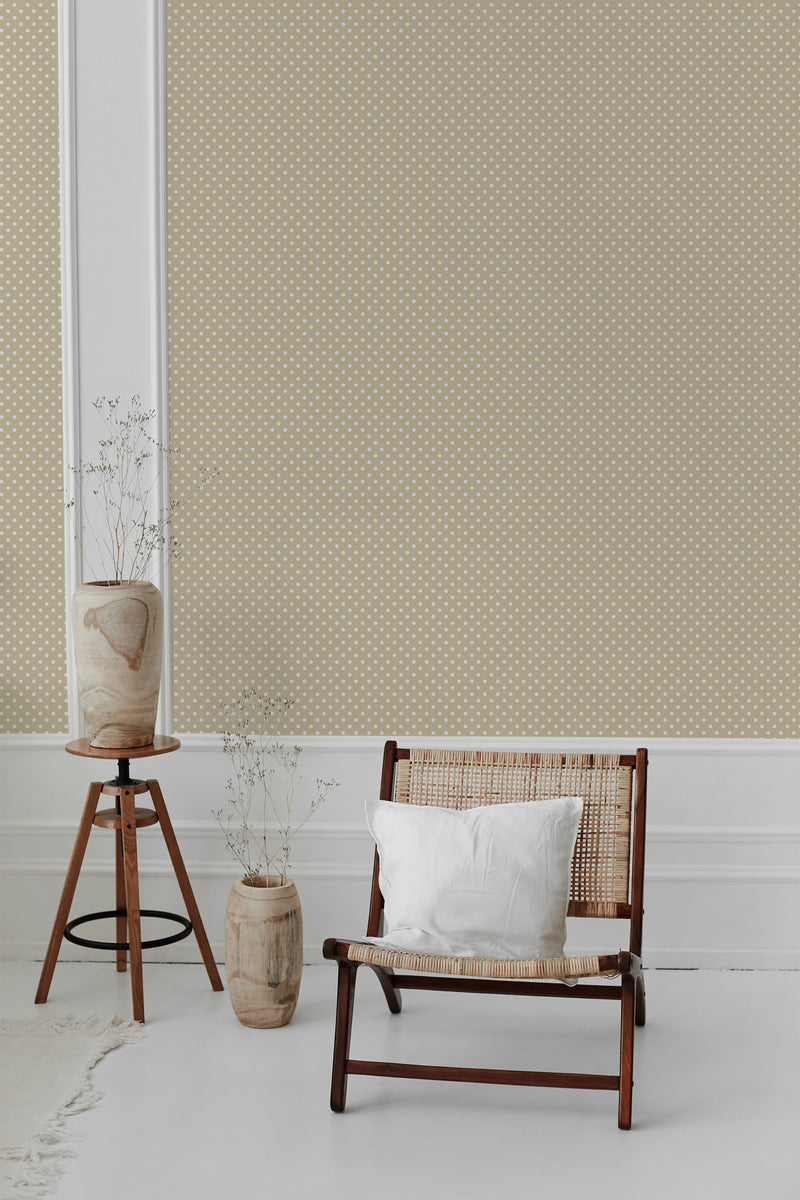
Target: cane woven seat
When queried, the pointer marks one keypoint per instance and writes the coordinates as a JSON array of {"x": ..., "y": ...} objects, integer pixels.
[
  {"x": 606, "y": 882},
  {"x": 581, "y": 967}
]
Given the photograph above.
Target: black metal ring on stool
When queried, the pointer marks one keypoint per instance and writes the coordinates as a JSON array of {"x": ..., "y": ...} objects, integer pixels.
[{"x": 120, "y": 912}]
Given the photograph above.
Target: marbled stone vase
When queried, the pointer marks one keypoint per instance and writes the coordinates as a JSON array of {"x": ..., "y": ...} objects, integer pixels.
[
  {"x": 264, "y": 951},
  {"x": 118, "y": 634}
]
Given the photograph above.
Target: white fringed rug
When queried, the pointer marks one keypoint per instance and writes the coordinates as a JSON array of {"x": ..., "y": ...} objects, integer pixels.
[{"x": 45, "y": 1074}]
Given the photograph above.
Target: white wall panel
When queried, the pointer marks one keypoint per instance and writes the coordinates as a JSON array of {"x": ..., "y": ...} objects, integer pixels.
[
  {"x": 723, "y": 858},
  {"x": 113, "y": 238}
]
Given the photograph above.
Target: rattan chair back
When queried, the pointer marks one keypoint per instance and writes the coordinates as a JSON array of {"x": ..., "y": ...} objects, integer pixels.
[{"x": 467, "y": 778}]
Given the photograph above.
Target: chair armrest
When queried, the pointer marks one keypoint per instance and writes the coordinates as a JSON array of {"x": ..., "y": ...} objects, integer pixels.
[
  {"x": 333, "y": 948},
  {"x": 629, "y": 964}
]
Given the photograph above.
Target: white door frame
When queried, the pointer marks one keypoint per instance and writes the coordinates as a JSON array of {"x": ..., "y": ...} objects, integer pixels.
[{"x": 112, "y": 69}]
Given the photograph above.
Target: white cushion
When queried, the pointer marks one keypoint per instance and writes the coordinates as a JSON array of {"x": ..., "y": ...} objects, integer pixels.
[{"x": 486, "y": 882}]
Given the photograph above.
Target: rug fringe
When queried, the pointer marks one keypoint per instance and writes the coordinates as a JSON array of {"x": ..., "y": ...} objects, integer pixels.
[
  {"x": 70, "y": 1024},
  {"x": 40, "y": 1161}
]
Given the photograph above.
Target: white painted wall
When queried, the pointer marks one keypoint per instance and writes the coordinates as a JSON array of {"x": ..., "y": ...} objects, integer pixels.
[
  {"x": 723, "y": 859},
  {"x": 117, "y": 177}
]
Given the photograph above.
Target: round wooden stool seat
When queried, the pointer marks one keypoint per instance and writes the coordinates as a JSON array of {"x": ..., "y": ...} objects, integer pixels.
[{"x": 161, "y": 744}]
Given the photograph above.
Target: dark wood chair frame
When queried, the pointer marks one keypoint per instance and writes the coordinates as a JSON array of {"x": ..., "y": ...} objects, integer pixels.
[{"x": 629, "y": 992}]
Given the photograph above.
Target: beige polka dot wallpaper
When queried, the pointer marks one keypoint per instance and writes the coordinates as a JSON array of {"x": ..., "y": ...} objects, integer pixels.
[
  {"x": 33, "y": 674},
  {"x": 488, "y": 313}
]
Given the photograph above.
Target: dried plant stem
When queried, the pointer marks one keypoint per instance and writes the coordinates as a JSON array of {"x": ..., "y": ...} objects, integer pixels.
[
  {"x": 131, "y": 535},
  {"x": 258, "y": 821}
]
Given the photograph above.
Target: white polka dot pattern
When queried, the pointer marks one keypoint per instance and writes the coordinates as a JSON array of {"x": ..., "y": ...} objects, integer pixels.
[
  {"x": 33, "y": 696},
  {"x": 488, "y": 313}
]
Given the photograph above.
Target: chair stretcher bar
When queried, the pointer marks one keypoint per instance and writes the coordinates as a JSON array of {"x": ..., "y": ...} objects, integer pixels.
[{"x": 392, "y": 1070}]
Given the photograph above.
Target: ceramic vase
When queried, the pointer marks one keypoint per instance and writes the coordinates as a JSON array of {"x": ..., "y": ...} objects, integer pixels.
[
  {"x": 264, "y": 951},
  {"x": 118, "y": 633}
]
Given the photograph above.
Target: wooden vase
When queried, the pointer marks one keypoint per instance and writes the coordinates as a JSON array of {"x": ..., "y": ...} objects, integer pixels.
[
  {"x": 264, "y": 951},
  {"x": 118, "y": 633}
]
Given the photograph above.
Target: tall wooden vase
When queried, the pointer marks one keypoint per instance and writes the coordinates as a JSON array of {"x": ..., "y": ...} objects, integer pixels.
[
  {"x": 264, "y": 951},
  {"x": 118, "y": 634}
]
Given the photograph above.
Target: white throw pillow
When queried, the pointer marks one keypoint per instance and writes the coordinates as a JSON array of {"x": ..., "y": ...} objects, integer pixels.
[{"x": 486, "y": 882}]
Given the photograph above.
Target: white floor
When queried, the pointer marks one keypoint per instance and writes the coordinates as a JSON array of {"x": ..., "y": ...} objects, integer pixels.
[{"x": 204, "y": 1108}]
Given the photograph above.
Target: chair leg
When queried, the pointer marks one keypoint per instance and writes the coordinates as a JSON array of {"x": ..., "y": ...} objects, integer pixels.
[
  {"x": 70, "y": 883},
  {"x": 641, "y": 1006},
  {"x": 185, "y": 885},
  {"x": 345, "y": 992},
  {"x": 626, "y": 1051},
  {"x": 390, "y": 990},
  {"x": 131, "y": 871}
]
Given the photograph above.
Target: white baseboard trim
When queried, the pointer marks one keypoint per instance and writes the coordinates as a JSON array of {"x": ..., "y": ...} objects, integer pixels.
[
  {"x": 677, "y": 959},
  {"x": 674, "y": 959}
]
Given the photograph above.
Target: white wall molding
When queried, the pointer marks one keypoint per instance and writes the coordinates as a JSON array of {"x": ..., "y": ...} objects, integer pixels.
[
  {"x": 731, "y": 835},
  {"x": 681, "y": 747},
  {"x": 33, "y": 743},
  {"x": 349, "y": 744},
  {"x": 204, "y": 830},
  {"x": 112, "y": 59},
  {"x": 157, "y": 868},
  {"x": 722, "y": 870},
  {"x": 199, "y": 869},
  {"x": 70, "y": 339},
  {"x": 327, "y": 831},
  {"x": 160, "y": 331}
]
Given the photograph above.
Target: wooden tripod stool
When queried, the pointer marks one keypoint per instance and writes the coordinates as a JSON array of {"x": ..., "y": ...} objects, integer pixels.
[{"x": 125, "y": 818}]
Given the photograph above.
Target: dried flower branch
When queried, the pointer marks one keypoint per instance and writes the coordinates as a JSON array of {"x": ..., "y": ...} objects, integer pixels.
[
  {"x": 258, "y": 820},
  {"x": 129, "y": 535}
]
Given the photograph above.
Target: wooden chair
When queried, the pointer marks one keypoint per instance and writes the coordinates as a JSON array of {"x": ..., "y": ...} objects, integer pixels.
[{"x": 607, "y": 881}]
